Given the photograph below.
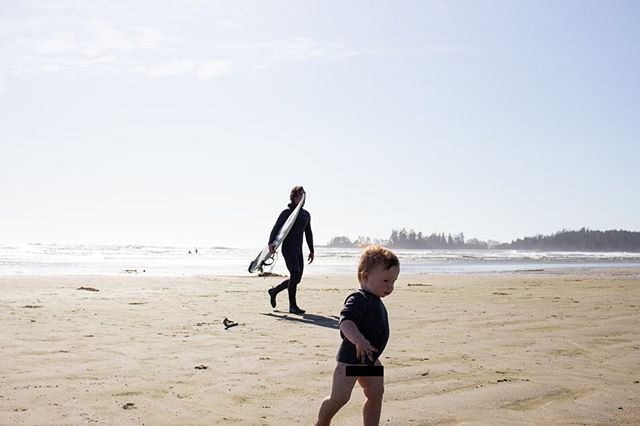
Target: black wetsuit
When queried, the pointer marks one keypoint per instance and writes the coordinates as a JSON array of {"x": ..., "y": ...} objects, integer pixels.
[
  {"x": 292, "y": 249},
  {"x": 369, "y": 314}
]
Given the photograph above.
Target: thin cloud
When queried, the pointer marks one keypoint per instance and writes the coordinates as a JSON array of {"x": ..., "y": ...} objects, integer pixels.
[
  {"x": 148, "y": 37},
  {"x": 60, "y": 43},
  {"x": 41, "y": 45},
  {"x": 211, "y": 69},
  {"x": 260, "y": 55},
  {"x": 51, "y": 68},
  {"x": 227, "y": 24},
  {"x": 444, "y": 4},
  {"x": 170, "y": 68}
]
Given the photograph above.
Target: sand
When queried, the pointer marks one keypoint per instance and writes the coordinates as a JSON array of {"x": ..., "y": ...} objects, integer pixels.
[{"x": 521, "y": 348}]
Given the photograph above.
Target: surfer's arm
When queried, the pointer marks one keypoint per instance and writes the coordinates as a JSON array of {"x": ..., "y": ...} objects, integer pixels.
[
  {"x": 309, "y": 236},
  {"x": 281, "y": 219}
]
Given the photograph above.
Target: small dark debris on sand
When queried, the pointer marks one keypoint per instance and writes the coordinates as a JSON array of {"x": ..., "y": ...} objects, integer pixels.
[
  {"x": 129, "y": 406},
  {"x": 228, "y": 323},
  {"x": 201, "y": 367},
  {"x": 88, "y": 288},
  {"x": 419, "y": 285},
  {"x": 269, "y": 274},
  {"x": 32, "y": 306},
  {"x": 501, "y": 293}
]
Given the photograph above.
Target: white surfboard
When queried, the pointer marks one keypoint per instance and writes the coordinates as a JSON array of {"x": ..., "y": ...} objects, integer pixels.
[{"x": 265, "y": 258}]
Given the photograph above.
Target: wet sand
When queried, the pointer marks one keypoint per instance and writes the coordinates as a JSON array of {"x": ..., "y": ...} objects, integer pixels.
[{"x": 525, "y": 348}]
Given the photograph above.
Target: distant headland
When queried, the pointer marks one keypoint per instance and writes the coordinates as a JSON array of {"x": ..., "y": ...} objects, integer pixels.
[{"x": 566, "y": 240}]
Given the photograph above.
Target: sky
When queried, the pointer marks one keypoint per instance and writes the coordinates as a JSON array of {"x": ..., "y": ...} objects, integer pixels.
[{"x": 189, "y": 121}]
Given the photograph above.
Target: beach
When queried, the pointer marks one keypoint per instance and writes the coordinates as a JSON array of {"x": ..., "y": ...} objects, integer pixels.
[{"x": 541, "y": 347}]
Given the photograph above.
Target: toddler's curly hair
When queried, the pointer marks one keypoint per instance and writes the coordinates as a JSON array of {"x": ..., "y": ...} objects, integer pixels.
[{"x": 376, "y": 255}]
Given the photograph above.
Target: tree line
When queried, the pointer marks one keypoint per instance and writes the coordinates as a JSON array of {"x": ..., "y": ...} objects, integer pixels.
[
  {"x": 582, "y": 240},
  {"x": 411, "y": 239},
  {"x": 565, "y": 240}
]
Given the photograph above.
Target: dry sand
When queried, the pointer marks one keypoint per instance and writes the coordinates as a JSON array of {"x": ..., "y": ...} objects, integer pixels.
[{"x": 528, "y": 348}]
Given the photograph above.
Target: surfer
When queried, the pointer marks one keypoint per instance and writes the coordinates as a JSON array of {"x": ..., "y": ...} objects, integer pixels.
[{"x": 292, "y": 249}]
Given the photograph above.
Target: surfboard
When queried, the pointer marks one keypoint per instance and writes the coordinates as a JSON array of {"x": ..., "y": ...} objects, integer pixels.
[{"x": 265, "y": 258}]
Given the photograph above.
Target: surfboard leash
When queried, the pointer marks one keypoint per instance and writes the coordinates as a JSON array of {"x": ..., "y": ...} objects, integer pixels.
[{"x": 272, "y": 264}]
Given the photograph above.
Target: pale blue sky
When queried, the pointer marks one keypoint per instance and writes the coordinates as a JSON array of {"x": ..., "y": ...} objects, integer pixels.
[{"x": 188, "y": 122}]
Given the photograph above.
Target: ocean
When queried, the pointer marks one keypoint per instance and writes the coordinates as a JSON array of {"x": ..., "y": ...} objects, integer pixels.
[{"x": 83, "y": 259}]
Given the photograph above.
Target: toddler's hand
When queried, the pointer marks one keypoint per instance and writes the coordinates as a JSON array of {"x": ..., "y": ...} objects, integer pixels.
[{"x": 364, "y": 349}]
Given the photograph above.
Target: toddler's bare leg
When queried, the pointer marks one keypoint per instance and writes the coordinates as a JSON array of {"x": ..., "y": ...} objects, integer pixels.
[
  {"x": 340, "y": 394},
  {"x": 373, "y": 387}
]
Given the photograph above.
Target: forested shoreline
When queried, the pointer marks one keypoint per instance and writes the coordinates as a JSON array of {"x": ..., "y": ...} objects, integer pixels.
[{"x": 566, "y": 240}]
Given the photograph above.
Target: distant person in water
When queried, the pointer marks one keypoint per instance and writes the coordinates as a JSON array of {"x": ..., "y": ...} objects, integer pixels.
[{"x": 292, "y": 249}]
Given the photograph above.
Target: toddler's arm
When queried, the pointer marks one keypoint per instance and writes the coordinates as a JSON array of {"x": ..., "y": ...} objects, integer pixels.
[{"x": 363, "y": 347}]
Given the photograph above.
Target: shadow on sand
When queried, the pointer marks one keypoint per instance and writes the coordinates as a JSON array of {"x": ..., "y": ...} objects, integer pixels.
[{"x": 329, "y": 322}]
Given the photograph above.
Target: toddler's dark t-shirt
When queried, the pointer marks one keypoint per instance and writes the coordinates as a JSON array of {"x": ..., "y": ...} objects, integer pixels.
[{"x": 369, "y": 314}]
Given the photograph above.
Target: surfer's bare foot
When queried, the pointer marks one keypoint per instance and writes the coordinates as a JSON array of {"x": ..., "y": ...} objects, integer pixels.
[
  {"x": 296, "y": 310},
  {"x": 272, "y": 296}
]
